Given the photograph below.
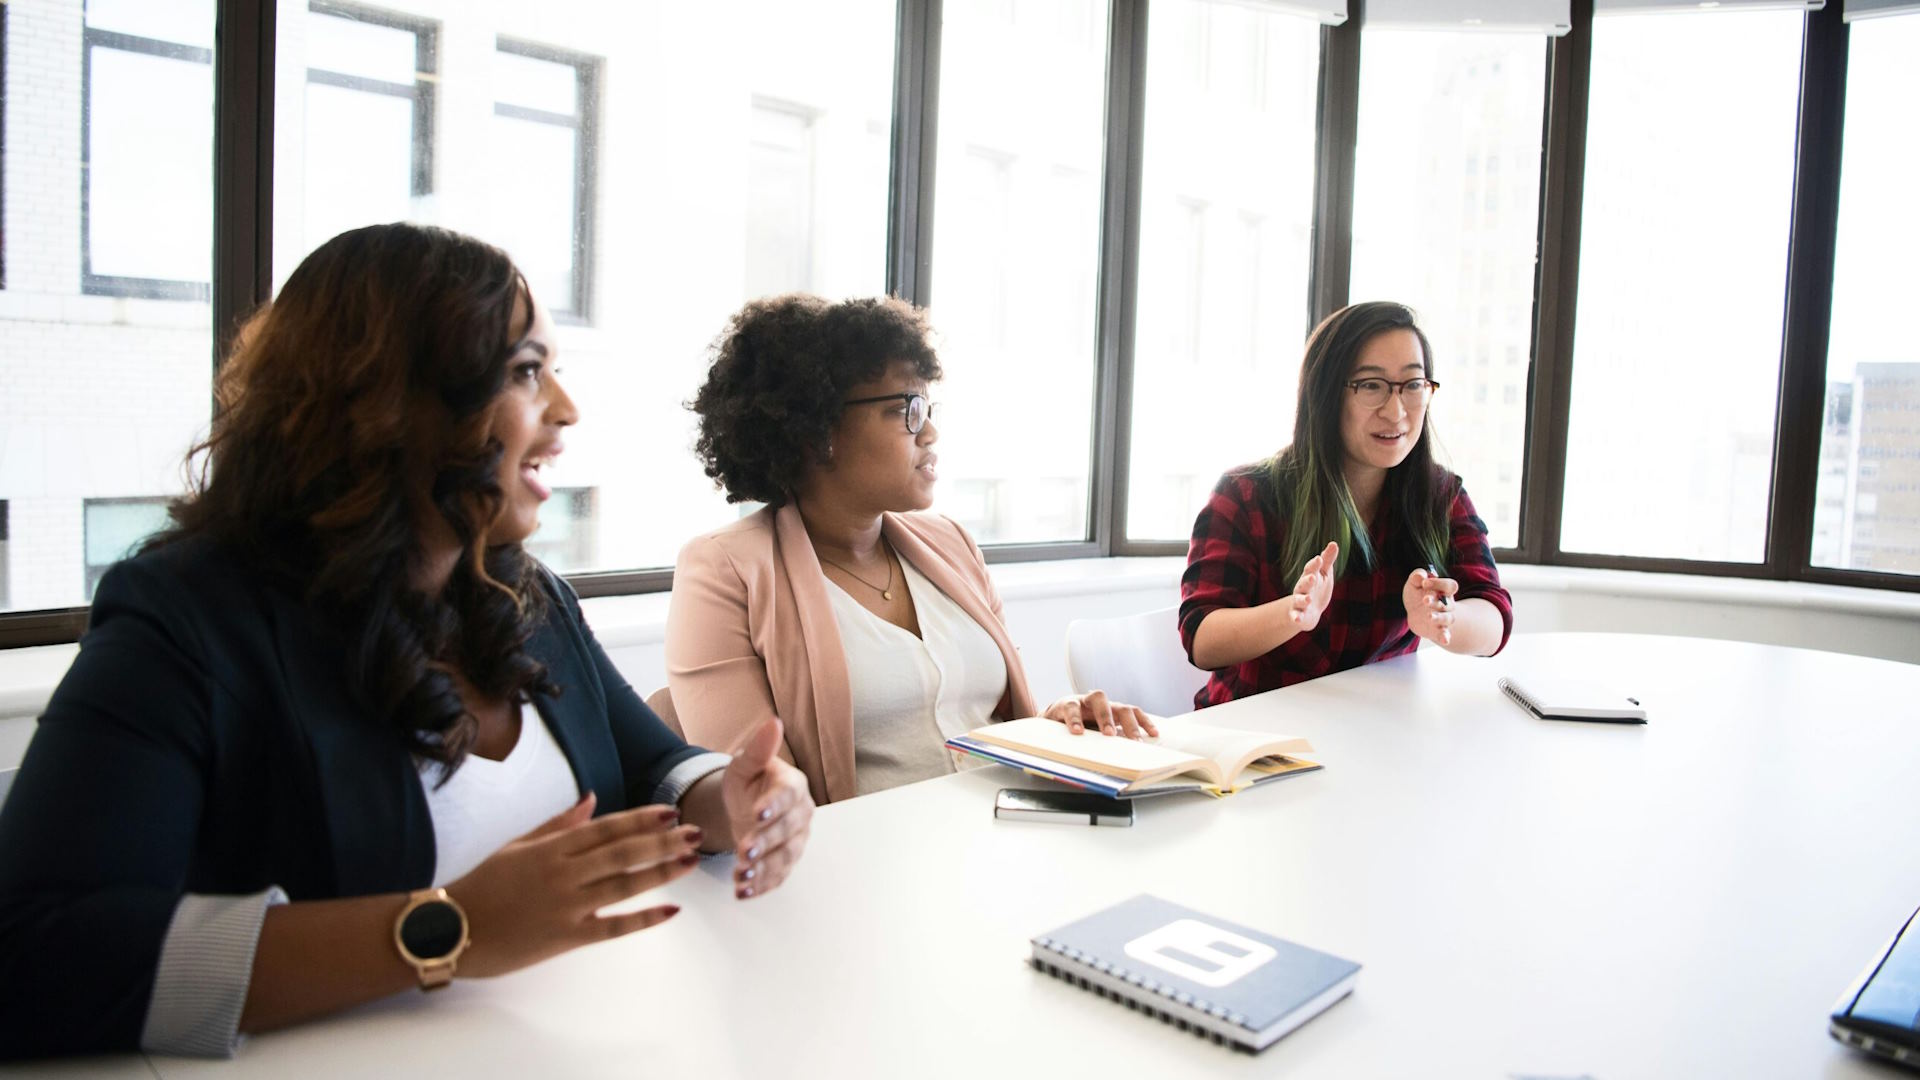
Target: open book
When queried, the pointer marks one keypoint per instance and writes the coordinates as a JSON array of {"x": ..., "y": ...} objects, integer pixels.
[{"x": 1187, "y": 756}]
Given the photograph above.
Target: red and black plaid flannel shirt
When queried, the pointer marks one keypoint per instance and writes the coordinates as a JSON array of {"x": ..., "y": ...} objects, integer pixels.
[{"x": 1234, "y": 562}]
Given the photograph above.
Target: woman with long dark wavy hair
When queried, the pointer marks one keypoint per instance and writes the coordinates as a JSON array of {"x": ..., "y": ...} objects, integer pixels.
[
  {"x": 1352, "y": 544},
  {"x": 335, "y": 733}
]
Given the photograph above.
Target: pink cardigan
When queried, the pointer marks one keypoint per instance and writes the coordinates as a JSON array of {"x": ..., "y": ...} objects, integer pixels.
[{"x": 751, "y": 633}]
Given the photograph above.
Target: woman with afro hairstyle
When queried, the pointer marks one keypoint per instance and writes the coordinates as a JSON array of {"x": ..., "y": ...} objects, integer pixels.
[{"x": 868, "y": 626}]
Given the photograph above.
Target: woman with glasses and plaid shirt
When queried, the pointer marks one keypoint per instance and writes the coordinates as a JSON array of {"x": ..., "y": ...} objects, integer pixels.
[
  {"x": 1352, "y": 544},
  {"x": 869, "y": 626}
]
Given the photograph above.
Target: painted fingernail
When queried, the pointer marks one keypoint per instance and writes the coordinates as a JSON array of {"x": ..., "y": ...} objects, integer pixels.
[
  {"x": 695, "y": 834},
  {"x": 753, "y": 852},
  {"x": 745, "y": 893},
  {"x": 765, "y": 813},
  {"x": 747, "y": 874},
  {"x": 670, "y": 912},
  {"x": 670, "y": 814},
  {"x": 689, "y": 858}
]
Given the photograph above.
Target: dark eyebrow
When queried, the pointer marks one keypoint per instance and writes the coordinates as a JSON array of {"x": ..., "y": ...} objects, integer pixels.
[{"x": 529, "y": 343}]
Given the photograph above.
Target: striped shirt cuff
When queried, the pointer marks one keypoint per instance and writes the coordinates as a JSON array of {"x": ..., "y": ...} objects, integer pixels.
[
  {"x": 206, "y": 965},
  {"x": 688, "y": 773}
]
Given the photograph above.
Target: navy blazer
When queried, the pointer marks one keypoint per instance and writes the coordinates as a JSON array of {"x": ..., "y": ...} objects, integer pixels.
[{"x": 203, "y": 742}]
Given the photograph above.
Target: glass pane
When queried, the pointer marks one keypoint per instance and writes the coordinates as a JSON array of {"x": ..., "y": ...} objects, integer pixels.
[
  {"x": 149, "y": 176},
  {"x": 667, "y": 195},
  {"x": 359, "y": 153},
  {"x": 346, "y": 46},
  {"x": 534, "y": 83},
  {"x": 1446, "y": 219},
  {"x": 100, "y": 395},
  {"x": 1868, "y": 515},
  {"x": 115, "y": 528},
  {"x": 1016, "y": 248},
  {"x": 1226, "y": 225},
  {"x": 780, "y": 202},
  {"x": 1683, "y": 260},
  {"x": 180, "y": 22},
  {"x": 532, "y": 206}
]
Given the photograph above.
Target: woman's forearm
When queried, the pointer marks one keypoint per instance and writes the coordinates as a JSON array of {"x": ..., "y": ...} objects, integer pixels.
[
  {"x": 1229, "y": 636},
  {"x": 1477, "y": 628},
  {"x": 320, "y": 956},
  {"x": 702, "y": 805}
]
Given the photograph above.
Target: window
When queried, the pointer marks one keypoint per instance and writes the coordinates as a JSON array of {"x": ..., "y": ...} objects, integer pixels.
[
  {"x": 566, "y": 540},
  {"x": 1868, "y": 512},
  {"x": 1016, "y": 248},
  {"x": 367, "y": 153},
  {"x": 780, "y": 201},
  {"x": 1683, "y": 268},
  {"x": 629, "y": 163},
  {"x": 146, "y": 168},
  {"x": 1469, "y": 106},
  {"x": 115, "y": 529},
  {"x": 542, "y": 207},
  {"x": 1225, "y": 228},
  {"x": 106, "y": 343}
]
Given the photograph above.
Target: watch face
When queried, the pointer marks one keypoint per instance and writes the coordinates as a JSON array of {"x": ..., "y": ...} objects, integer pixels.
[{"x": 432, "y": 930}]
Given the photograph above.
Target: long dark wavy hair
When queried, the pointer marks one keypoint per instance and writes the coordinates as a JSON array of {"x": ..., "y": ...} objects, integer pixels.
[
  {"x": 1309, "y": 475},
  {"x": 353, "y": 409}
]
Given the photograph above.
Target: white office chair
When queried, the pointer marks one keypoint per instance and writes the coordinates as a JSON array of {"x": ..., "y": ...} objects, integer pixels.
[
  {"x": 6, "y": 783},
  {"x": 1137, "y": 659}
]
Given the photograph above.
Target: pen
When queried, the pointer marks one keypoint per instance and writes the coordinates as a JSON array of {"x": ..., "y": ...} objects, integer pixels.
[{"x": 1445, "y": 600}]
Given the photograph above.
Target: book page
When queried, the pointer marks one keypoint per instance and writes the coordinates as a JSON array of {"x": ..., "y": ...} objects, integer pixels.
[
  {"x": 1229, "y": 748},
  {"x": 1112, "y": 754}
]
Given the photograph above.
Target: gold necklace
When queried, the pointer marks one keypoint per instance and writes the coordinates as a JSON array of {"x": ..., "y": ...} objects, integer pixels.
[{"x": 885, "y": 593}]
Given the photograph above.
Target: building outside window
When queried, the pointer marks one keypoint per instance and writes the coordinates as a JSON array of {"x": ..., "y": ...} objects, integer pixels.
[{"x": 115, "y": 529}]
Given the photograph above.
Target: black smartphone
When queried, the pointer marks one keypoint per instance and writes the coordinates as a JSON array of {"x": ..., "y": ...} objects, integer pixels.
[{"x": 1062, "y": 807}]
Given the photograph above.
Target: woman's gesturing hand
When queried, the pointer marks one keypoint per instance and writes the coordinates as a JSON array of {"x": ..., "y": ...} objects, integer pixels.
[
  {"x": 537, "y": 897},
  {"x": 1429, "y": 603},
  {"x": 1314, "y": 590},
  {"x": 770, "y": 809},
  {"x": 1082, "y": 711}
]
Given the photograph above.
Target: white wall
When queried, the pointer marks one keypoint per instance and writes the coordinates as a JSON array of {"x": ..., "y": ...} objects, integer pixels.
[{"x": 1042, "y": 598}]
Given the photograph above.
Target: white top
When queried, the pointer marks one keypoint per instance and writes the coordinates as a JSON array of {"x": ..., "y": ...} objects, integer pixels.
[
  {"x": 910, "y": 694},
  {"x": 489, "y": 803}
]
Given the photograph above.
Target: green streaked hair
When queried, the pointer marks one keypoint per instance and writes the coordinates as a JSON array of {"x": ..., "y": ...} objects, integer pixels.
[{"x": 1309, "y": 476}]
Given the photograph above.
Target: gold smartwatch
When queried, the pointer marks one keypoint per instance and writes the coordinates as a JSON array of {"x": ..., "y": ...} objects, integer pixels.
[{"x": 431, "y": 933}]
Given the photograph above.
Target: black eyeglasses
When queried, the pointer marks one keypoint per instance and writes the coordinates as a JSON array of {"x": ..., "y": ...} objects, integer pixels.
[
  {"x": 919, "y": 409},
  {"x": 1373, "y": 393}
]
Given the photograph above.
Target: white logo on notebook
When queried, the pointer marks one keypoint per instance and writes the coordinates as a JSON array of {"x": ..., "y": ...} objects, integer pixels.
[{"x": 1204, "y": 954}]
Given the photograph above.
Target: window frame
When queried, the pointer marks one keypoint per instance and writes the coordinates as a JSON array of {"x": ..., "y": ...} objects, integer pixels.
[
  {"x": 92, "y": 284},
  {"x": 586, "y": 155},
  {"x": 243, "y": 104},
  {"x": 422, "y": 92}
]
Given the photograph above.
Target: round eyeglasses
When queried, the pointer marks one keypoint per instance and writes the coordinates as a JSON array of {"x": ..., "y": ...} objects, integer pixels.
[
  {"x": 1373, "y": 393},
  {"x": 917, "y": 410}
]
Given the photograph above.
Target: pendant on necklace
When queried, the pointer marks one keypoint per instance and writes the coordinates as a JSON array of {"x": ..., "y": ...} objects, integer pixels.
[{"x": 886, "y": 596}]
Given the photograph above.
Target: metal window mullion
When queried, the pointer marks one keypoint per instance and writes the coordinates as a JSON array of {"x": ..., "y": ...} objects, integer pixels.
[
  {"x": 243, "y": 74},
  {"x": 1549, "y": 379},
  {"x": 1336, "y": 142},
  {"x": 1118, "y": 289},
  {"x": 916, "y": 101},
  {"x": 1800, "y": 410}
]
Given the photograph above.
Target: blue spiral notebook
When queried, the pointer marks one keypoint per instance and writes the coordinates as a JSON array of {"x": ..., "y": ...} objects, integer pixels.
[{"x": 1196, "y": 972}]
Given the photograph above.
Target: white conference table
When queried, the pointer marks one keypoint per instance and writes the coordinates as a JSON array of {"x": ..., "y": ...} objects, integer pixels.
[{"x": 1528, "y": 899}]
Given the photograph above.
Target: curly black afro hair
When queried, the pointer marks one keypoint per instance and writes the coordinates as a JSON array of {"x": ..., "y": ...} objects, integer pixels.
[{"x": 780, "y": 371}]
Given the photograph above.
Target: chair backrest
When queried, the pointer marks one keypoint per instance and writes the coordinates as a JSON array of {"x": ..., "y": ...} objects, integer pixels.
[
  {"x": 1137, "y": 659},
  {"x": 6, "y": 783},
  {"x": 661, "y": 702}
]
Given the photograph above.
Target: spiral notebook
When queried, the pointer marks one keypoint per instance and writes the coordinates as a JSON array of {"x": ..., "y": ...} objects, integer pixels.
[
  {"x": 1557, "y": 697},
  {"x": 1200, "y": 974}
]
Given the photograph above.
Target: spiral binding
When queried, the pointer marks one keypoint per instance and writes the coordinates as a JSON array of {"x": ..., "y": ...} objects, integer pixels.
[
  {"x": 1146, "y": 984},
  {"x": 1519, "y": 696}
]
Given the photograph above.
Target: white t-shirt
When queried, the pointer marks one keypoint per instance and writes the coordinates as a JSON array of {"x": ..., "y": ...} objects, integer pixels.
[
  {"x": 487, "y": 804},
  {"x": 911, "y": 694}
]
